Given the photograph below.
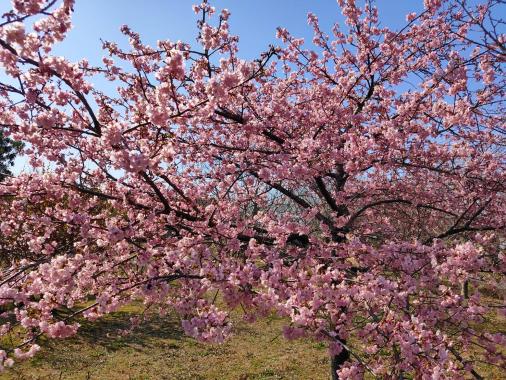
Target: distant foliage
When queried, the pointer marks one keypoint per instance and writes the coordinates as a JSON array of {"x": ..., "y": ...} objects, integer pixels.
[{"x": 8, "y": 151}]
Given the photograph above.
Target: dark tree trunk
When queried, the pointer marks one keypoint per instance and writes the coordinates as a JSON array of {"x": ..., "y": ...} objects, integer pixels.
[
  {"x": 465, "y": 289},
  {"x": 337, "y": 361}
]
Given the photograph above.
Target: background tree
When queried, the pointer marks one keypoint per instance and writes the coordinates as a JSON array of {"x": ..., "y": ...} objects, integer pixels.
[
  {"x": 8, "y": 151},
  {"x": 350, "y": 186}
]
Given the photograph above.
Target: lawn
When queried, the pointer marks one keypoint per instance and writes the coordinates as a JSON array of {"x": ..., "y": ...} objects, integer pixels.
[{"x": 159, "y": 350}]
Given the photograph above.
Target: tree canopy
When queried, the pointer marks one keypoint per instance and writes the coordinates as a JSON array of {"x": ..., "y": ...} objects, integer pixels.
[{"x": 353, "y": 184}]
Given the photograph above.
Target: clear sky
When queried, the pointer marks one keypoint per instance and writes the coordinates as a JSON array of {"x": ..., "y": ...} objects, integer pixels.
[{"x": 255, "y": 21}]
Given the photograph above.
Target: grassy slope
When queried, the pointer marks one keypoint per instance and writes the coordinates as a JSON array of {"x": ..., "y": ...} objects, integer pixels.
[{"x": 159, "y": 350}]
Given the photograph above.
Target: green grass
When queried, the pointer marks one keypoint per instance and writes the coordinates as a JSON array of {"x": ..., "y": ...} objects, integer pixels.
[{"x": 159, "y": 350}]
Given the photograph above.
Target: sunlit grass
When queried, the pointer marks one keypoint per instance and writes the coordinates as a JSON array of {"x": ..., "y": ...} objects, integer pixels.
[{"x": 158, "y": 349}]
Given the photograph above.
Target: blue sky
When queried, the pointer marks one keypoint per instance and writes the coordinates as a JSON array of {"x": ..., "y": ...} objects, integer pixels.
[{"x": 255, "y": 21}]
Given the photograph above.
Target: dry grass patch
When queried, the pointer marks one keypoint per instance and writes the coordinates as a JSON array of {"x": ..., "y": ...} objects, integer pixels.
[{"x": 158, "y": 349}]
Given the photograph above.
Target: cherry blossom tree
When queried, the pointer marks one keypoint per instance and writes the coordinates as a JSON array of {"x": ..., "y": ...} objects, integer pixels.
[{"x": 353, "y": 184}]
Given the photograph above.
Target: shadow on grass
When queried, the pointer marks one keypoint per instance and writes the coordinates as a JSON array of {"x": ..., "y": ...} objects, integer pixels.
[
  {"x": 107, "y": 331},
  {"x": 105, "y": 334},
  {"x": 96, "y": 341}
]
